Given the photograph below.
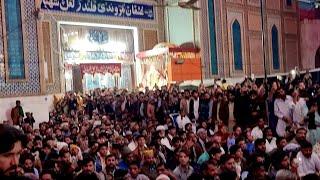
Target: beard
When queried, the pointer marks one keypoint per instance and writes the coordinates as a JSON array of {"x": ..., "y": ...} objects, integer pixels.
[
  {"x": 11, "y": 171},
  {"x": 111, "y": 167}
]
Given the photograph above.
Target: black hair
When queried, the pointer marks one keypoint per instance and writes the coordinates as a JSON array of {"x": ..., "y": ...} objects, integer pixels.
[
  {"x": 85, "y": 176},
  {"x": 119, "y": 174},
  {"x": 241, "y": 138},
  {"x": 87, "y": 160},
  {"x": 46, "y": 171},
  {"x": 46, "y": 145},
  {"x": 299, "y": 129},
  {"x": 111, "y": 155},
  {"x": 258, "y": 142},
  {"x": 208, "y": 145},
  {"x": 194, "y": 91},
  {"x": 305, "y": 144},
  {"x": 134, "y": 163},
  {"x": 9, "y": 135},
  {"x": 205, "y": 165},
  {"x": 186, "y": 125},
  {"x": 234, "y": 149},
  {"x": 185, "y": 151},
  {"x": 175, "y": 139},
  {"x": 279, "y": 139},
  {"x": 235, "y": 127},
  {"x": 102, "y": 145},
  {"x": 277, "y": 158},
  {"x": 25, "y": 156},
  {"x": 171, "y": 127},
  {"x": 140, "y": 136},
  {"x": 63, "y": 152},
  {"x": 162, "y": 164},
  {"x": 224, "y": 158},
  {"x": 265, "y": 131},
  {"x": 214, "y": 151},
  {"x": 230, "y": 175}
]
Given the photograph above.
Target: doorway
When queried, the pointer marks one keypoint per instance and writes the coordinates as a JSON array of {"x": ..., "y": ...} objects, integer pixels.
[{"x": 98, "y": 55}]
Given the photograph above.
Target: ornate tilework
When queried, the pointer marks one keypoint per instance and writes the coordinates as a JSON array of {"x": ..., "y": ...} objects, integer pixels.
[
  {"x": 15, "y": 61},
  {"x": 32, "y": 85}
]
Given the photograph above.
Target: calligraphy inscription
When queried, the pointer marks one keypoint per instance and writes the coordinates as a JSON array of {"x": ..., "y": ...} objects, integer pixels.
[{"x": 101, "y": 7}]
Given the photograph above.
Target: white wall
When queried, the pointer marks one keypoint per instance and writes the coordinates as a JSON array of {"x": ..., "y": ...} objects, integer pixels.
[
  {"x": 179, "y": 25},
  {"x": 39, "y": 105}
]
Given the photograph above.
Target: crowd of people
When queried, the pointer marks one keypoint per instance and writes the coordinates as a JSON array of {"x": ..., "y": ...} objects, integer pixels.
[{"x": 246, "y": 131}]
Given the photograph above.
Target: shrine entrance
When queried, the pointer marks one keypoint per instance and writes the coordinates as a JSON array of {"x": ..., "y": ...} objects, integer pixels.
[{"x": 98, "y": 56}]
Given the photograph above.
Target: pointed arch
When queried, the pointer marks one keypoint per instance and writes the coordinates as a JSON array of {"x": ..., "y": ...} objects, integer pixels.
[
  {"x": 275, "y": 47},
  {"x": 213, "y": 42},
  {"x": 237, "y": 45}
]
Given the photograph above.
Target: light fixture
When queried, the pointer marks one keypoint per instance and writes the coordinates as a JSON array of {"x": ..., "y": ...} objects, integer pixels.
[
  {"x": 279, "y": 77},
  {"x": 252, "y": 76},
  {"x": 293, "y": 73}
]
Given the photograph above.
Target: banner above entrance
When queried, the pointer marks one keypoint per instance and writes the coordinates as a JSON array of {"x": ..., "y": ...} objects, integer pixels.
[
  {"x": 102, "y": 68},
  {"x": 101, "y": 7}
]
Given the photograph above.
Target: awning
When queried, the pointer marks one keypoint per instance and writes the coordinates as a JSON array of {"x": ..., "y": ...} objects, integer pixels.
[{"x": 102, "y": 68}]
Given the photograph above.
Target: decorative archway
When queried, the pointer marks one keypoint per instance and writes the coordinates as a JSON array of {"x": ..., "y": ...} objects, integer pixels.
[
  {"x": 275, "y": 48},
  {"x": 317, "y": 58},
  {"x": 237, "y": 46}
]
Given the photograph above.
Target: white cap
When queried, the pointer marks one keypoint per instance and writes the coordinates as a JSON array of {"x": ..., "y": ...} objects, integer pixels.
[
  {"x": 128, "y": 133},
  {"x": 201, "y": 130},
  {"x": 160, "y": 128},
  {"x": 162, "y": 177}
]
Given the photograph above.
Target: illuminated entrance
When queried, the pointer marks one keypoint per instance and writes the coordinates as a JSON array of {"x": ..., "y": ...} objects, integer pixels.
[{"x": 97, "y": 55}]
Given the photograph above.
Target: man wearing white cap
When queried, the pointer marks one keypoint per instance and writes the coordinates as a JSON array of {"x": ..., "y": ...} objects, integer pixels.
[
  {"x": 202, "y": 139},
  {"x": 131, "y": 143},
  {"x": 162, "y": 133},
  {"x": 199, "y": 145},
  {"x": 162, "y": 130}
]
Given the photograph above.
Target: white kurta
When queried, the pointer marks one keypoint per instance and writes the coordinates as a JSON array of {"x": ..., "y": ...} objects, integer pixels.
[
  {"x": 300, "y": 111},
  {"x": 282, "y": 109},
  {"x": 308, "y": 166},
  {"x": 182, "y": 122}
]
